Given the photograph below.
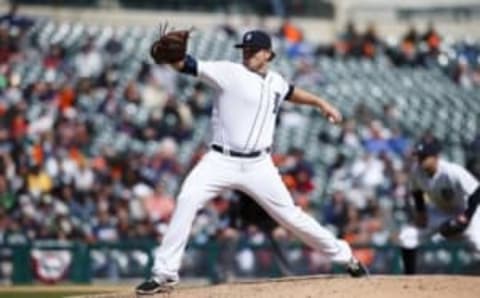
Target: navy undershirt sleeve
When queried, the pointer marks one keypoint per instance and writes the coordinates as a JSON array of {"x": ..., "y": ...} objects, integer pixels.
[
  {"x": 473, "y": 202},
  {"x": 289, "y": 92},
  {"x": 190, "y": 66}
]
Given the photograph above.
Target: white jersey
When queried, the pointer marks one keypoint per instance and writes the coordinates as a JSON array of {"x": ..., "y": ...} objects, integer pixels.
[
  {"x": 245, "y": 112},
  {"x": 448, "y": 189}
]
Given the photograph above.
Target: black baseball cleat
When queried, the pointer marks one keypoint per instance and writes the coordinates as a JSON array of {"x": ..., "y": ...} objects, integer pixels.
[
  {"x": 356, "y": 269},
  {"x": 156, "y": 285}
]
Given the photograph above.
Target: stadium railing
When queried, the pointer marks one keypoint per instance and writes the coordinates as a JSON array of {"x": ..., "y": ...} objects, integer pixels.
[{"x": 454, "y": 259}]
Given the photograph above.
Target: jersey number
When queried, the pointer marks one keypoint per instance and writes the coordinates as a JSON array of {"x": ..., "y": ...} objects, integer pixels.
[{"x": 276, "y": 104}]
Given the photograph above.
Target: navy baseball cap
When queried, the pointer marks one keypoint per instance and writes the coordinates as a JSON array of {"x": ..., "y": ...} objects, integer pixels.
[
  {"x": 426, "y": 148},
  {"x": 256, "y": 39}
]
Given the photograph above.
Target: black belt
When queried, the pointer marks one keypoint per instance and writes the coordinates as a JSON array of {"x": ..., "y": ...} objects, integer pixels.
[{"x": 220, "y": 149}]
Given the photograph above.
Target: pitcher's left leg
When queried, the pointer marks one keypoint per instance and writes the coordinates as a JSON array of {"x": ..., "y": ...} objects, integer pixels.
[{"x": 264, "y": 184}]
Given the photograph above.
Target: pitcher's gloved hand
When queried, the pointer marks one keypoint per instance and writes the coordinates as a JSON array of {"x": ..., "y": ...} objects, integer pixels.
[{"x": 171, "y": 47}]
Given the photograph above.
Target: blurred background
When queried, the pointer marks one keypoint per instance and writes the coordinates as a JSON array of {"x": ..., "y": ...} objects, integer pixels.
[{"x": 95, "y": 139}]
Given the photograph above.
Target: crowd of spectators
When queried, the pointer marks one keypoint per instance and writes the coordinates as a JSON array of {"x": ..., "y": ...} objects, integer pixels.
[
  {"x": 55, "y": 184},
  {"x": 459, "y": 59}
]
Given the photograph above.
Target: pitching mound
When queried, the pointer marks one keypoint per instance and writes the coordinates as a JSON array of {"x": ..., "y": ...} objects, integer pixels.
[{"x": 333, "y": 287}]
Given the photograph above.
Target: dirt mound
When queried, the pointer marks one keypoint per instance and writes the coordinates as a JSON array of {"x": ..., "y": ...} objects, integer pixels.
[{"x": 333, "y": 287}]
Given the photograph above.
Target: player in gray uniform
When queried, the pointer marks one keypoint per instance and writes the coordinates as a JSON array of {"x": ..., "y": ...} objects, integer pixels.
[
  {"x": 451, "y": 209},
  {"x": 243, "y": 122}
]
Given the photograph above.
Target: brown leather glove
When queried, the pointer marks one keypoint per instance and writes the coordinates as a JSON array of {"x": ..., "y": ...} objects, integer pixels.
[{"x": 171, "y": 47}]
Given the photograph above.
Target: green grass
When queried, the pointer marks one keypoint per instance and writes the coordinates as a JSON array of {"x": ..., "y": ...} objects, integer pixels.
[
  {"x": 60, "y": 290},
  {"x": 46, "y": 294}
]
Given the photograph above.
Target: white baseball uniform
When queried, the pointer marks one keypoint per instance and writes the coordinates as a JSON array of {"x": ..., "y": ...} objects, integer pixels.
[
  {"x": 243, "y": 120},
  {"x": 448, "y": 192}
]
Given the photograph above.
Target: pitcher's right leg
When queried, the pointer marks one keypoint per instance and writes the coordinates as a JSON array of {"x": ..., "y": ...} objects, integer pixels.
[{"x": 204, "y": 182}]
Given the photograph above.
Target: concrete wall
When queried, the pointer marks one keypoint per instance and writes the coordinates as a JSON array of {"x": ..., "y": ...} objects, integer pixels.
[
  {"x": 315, "y": 29},
  {"x": 382, "y": 13}
]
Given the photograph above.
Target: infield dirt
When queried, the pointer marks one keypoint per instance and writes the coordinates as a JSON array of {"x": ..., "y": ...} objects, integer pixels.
[{"x": 331, "y": 287}]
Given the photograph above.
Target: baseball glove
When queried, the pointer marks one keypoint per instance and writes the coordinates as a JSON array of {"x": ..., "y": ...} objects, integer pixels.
[
  {"x": 171, "y": 47},
  {"x": 454, "y": 227}
]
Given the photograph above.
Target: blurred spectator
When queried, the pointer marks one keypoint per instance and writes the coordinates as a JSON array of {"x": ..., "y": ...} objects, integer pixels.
[
  {"x": 290, "y": 118},
  {"x": 114, "y": 48},
  {"x": 335, "y": 212},
  {"x": 89, "y": 62},
  {"x": 391, "y": 115},
  {"x": 159, "y": 206},
  {"x": 337, "y": 165},
  {"x": 164, "y": 76},
  {"x": 464, "y": 75},
  {"x": 81, "y": 206},
  {"x": 39, "y": 181},
  {"x": 176, "y": 121},
  {"x": 297, "y": 174},
  {"x": 370, "y": 42},
  {"x": 8, "y": 46},
  {"x": 104, "y": 229},
  {"x": 295, "y": 45},
  {"x": 367, "y": 172},
  {"x": 84, "y": 177},
  {"x": 398, "y": 143},
  {"x": 55, "y": 57},
  {"x": 407, "y": 52},
  {"x": 307, "y": 75},
  {"x": 153, "y": 94},
  {"x": 476, "y": 76},
  {"x": 198, "y": 102},
  {"x": 349, "y": 135},
  {"x": 376, "y": 139},
  {"x": 132, "y": 93},
  {"x": 7, "y": 198},
  {"x": 399, "y": 189},
  {"x": 349, "y": 42},
  {"x": 290, "y": 32},
  {"x": 12, "y": 19},
  {"x": 433, "y": 40},
  {"x": 343, "y": 44}
]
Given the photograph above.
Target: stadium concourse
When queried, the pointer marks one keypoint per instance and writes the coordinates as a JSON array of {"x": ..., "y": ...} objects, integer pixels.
[{"x": 95, "y": 139}]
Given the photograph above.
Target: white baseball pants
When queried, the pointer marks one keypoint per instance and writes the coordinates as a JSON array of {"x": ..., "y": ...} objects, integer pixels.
[{"x": 257, "y": 177}]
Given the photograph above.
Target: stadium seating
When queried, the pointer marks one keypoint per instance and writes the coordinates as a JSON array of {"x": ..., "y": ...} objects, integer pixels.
[{"x": 426, "y": 98}]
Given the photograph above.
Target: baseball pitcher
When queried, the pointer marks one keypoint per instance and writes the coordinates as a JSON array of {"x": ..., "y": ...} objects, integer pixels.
[{"x": 243, "y": 123}]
